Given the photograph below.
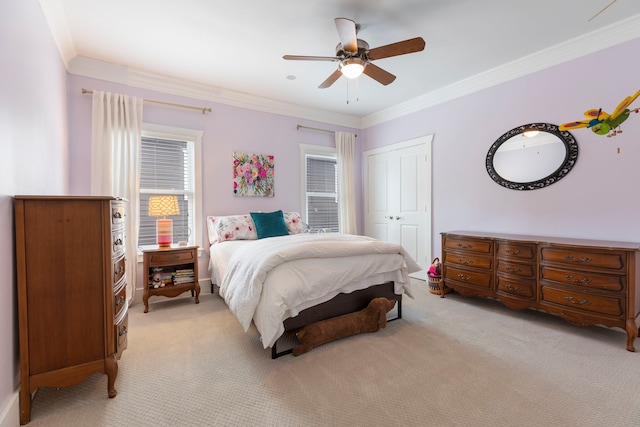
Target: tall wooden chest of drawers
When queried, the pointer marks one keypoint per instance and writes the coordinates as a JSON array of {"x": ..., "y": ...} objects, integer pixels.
[
  {"x": 72, "y": 304},
  {"x": 586, "y": 282}
]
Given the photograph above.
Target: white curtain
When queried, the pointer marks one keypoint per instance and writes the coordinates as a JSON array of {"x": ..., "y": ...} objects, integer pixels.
[
  {"x": 345, "y": 143},
  {"x": 116, "y": 131}
]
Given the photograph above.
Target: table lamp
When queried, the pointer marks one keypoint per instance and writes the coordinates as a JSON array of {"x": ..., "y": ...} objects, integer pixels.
[{"x": 163, "y": 206}]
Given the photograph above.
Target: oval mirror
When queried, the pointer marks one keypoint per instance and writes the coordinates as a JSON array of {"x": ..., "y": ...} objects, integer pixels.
[{"x": 531, "y": 156}]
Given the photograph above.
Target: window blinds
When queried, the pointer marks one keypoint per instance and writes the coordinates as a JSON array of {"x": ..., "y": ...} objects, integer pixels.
[
  {"x": 322, "y": 193},
  {"x": 166, "y": 168}
]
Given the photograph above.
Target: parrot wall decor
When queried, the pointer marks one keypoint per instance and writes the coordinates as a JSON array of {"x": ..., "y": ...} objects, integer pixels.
[{"x": 602, "y": 123}]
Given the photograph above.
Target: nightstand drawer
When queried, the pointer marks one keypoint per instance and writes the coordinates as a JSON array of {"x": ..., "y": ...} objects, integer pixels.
[{"x": 173, "y": 257}]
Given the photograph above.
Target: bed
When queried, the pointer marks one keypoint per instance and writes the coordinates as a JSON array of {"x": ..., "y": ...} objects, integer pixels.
[{"x": 286, "y": 281}]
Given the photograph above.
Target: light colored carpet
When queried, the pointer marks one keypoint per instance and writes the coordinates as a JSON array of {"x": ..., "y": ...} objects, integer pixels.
[{"x": 449, "y": 362}]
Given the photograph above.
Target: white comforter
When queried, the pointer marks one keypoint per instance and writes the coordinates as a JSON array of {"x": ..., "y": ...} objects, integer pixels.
[{"x": 269, "y": 280}]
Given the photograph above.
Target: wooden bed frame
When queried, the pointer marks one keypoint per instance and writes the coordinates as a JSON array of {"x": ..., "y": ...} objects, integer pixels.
[{"x": 337, "y": 306}]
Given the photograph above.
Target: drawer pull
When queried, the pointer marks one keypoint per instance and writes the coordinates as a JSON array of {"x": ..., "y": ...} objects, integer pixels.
[
  {"x": 120, "y": 270},
  {"x": 581, "y": 302},
  {"x": 465, "y": 246},
  {"x": 515, "y": 270},
  {"x": 465, "y": 261},
  {"x": 117, "y": 215},
  {"x": 463, "y": 277},
  {"x": 118, "y": 242},
  {"x": 511, "y": 288},
  {"x": 583, "y": 280},
  {"x": 119, "y": 301},
  {"x": 581, "y": 259},
  {"x": 122, "y": 331},
  {"x": 516, "y": 252}
]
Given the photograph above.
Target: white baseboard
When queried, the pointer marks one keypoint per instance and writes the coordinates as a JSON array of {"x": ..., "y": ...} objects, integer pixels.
[{"x": 10, "y": 414}]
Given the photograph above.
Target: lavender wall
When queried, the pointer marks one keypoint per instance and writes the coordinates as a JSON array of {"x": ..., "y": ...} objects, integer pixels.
[
  {"x": 597, "y": 199},
  {"x": 34, "y": 153},
  {"x": 226, "y": 129}
]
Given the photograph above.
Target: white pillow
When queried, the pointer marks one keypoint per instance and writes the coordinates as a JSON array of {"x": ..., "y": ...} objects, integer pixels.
[
  {"x": 231, "y": 227},
  {"x": 293, "y": 222}
]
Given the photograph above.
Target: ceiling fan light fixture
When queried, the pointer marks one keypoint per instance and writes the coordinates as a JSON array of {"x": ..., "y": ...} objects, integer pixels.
[{"x": 352, "y": 68}]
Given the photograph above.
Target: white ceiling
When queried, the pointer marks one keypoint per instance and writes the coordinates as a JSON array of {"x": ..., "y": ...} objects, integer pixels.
[{"x": 231, "y": 51}]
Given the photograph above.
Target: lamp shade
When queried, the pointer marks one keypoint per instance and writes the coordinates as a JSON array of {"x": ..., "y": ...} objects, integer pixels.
[{"x": 163, "y": 206}]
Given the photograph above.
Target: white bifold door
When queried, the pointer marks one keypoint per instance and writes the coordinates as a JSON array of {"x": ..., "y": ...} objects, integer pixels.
[{"x": 398, "y": 197}]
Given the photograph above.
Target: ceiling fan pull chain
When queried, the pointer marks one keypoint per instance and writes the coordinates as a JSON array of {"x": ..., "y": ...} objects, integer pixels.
[{"x": 347, "y": 91}]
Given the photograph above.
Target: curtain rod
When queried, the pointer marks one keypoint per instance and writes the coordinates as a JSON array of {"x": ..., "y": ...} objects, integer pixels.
[
  {"x": 204, "y": 110},
  {"x": 318, "y": 129}
]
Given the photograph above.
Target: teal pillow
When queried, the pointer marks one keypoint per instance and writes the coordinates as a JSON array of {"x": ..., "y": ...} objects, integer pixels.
[{"x": 269, "y": 224}]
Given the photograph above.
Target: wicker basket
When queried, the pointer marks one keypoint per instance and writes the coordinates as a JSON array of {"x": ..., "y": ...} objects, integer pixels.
[{"x": 434, "y": 285}]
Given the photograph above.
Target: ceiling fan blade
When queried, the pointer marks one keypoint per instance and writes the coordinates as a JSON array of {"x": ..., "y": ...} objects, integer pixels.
[
  {"x": 331, "y": 79},
  {"x": 347, "y": 32},
  {"x": 394, "y": 49},
  {"x": 310, "y": 58},
  {"x": 378, "y": 74}
]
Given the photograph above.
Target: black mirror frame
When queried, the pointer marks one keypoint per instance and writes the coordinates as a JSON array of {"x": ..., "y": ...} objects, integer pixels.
[{"x": 568, "y": 163}]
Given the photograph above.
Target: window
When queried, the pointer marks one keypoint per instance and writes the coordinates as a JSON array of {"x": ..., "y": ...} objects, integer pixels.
[
  {"x": 168, "y": 166},
  {"x": 320, "y": 187}
]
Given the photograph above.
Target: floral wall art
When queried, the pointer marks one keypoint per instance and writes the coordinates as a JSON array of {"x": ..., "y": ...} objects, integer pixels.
[{"x": 252, "y": 174}]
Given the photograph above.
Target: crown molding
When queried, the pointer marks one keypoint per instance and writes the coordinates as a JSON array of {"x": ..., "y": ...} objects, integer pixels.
[
  {"x": 620, "y": 32},
  {"x": 603, "y": 38},
  {"x": 89, "y": 67}
]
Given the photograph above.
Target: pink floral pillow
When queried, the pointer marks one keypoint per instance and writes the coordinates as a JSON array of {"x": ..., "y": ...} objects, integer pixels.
[
  {"x": 232, "y": 227},
  {"x": 293, "y": 222}
]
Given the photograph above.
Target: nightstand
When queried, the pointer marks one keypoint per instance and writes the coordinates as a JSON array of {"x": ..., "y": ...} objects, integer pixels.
[{"x": 175, "y": 270}]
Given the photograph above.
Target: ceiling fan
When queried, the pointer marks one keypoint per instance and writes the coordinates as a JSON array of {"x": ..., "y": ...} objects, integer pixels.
[{"x": 354, "y": 55}]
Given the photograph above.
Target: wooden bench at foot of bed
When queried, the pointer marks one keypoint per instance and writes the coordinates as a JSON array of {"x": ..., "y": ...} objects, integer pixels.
[{"x": 337, "y": 306}]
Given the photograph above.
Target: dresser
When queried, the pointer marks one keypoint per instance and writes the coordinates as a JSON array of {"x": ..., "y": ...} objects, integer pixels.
[
  {"x": 586, "y": 282},
  {"x": 72, "y": 303}
]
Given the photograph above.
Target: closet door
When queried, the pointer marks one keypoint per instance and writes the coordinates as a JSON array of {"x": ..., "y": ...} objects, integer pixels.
[{"x": 398, "y": 197}]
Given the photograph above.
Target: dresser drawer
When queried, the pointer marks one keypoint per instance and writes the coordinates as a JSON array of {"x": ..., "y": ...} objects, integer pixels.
[
  {"x": 582, "y": 301},
  {"x": 117, "y": 212},
  {"x": 483, "y": 280},
  {"x": 172, "y": 257},
  {"x": 119, "y": 302},
  {"x": 586, "y": 279},
  {"x": 610, "y": 260},
  {"x": 117, "y": 242},
  {"x": 519, "y": 287},
  {"x": 118, "y": 270},
  {"x": 121, "y": 334},
  {"x": 471, "y": 245},
  {"x": 519, "y": 269},
  {"x": 516, "y": 250},
  {"x": 468, "y": 259}
]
